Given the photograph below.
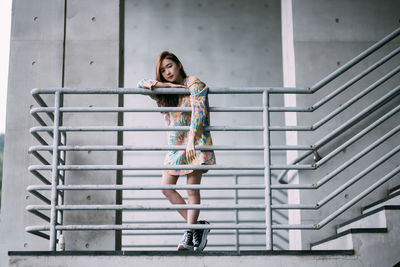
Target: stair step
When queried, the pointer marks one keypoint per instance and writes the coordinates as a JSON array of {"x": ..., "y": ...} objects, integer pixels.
[
  {"x": 393, "y": 199},
  {"x": 343, "y": 240}
]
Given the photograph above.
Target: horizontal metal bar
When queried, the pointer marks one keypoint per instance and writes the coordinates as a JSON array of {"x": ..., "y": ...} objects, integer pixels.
[
  {"x": 136, "y": 148},
  {"x": 355, "y": 60},
  {"x": 290, "y": 109},
  {"x": 144, "y": 207},
  {"x": 294, "y": 227},
  {"x": 226, "y": 175},
  {"x": 141, "y": 129},
  {"x": 156, "y": 109},
  {"x": 147, "y": 187},
  {"x": 169, "y": 233},
  {"x": 157, "y": 91},
  {"x": 169, "y": 227},
  {"x": 145, "y": 227},
  {"x": 159, "y": 167},
  {"x": 170, "y": 167},
  {"x": 290, "y": 128},
  {"x": 293, "y": 186},
  {"x": 294, "y": 206},
  {"x": 298, "y": 147}
]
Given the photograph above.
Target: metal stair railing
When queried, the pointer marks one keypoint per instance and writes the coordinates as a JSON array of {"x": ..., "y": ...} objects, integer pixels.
[{"x": 54, "y": 209}]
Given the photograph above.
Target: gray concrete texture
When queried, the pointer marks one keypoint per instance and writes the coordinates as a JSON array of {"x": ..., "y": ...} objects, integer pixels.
[
  {"x": 36, "y": 60},
  {"x": 91, "y": 60},
  {"x": 225, "y": 44},
  {"x": 326, "y": 35}
]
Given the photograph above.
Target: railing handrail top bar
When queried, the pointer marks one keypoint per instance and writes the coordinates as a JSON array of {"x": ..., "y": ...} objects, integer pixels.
[{"x": 213, "y": 90}]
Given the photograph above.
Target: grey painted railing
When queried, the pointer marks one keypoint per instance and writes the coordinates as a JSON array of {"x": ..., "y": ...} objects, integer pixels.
[{"x": 52, "y": 210}]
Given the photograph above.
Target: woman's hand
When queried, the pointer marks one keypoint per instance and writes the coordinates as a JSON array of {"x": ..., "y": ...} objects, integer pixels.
[{"x": 190, "y": 150}]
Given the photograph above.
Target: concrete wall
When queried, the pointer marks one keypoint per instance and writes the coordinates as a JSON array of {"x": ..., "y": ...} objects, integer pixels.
[
  {"x": 226, "y": 44},
  {"x": 38, "y": 59},
  {"x": 326, "y": 35}
]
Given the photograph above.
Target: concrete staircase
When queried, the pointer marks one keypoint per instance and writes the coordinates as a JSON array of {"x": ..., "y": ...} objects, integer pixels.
[{"x": 375, "y": 232}]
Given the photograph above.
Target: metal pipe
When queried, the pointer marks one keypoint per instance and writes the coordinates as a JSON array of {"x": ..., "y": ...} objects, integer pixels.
[
  {"x": 144, "y": 207},
  {"x": 354, "y": 80},
  {"x": 267, "y": 172},
  {"x": 236, "y": 201},
  {"x": 338, "y": 131},
  {"x": 149, "y": 148},
  {"x": 41, "y": 103},
  {"x": 350, "y": 203},
  {"x": 356, "y": 98},
  {"x": 140, "y": 129},
  {"x": 157, "y": 109},
  {"x": 356, "y": 178},
  {"x": 355, "y": 60},
  {"x": 359, "y": 136},
  {"x": 157, "y": 91},
  {"x": 54, "y": 176},
  {"x": 170, "y": 167},
  {"x": 149, "y": 187},
  {"x": 163, "y": 226}
]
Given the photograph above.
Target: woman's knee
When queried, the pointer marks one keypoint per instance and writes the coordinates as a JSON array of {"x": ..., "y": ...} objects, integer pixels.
[{"x": 168, "y": 192}]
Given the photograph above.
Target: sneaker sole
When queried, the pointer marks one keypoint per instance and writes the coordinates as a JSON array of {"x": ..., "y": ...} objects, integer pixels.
[{"x": 183, "y": 248}]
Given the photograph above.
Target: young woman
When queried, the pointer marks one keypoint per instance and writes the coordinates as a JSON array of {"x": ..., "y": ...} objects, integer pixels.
[{"x": 170, "y": 73}]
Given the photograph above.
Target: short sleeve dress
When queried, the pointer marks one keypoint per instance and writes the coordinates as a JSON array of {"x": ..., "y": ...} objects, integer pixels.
[{"x": 197, "y": 120}]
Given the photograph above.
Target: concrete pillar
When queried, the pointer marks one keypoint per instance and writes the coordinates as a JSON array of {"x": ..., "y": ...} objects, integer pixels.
[
  {"x": 36, "y": 60},
  {"x": 91, "y": 61},
  {"x": 90, "y": 57}
]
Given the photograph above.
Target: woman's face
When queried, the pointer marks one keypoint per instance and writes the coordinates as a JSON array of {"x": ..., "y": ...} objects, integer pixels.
[{"x": 171, "y": 71}]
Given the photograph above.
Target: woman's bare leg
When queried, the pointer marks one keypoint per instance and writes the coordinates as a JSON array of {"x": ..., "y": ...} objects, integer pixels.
[
  {"x": 173, "y": 196},
  {"x": 193, "y": 196}
]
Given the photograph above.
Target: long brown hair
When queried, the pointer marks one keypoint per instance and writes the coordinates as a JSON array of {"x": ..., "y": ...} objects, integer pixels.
[{"x": 167, "y": 100}]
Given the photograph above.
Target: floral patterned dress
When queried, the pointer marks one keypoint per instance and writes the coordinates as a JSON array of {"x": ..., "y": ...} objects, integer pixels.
[{"x": 197, "y": 120}]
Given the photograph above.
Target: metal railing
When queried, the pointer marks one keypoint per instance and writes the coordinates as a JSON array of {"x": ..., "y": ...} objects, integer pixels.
[{"x": 52, "y": 211}]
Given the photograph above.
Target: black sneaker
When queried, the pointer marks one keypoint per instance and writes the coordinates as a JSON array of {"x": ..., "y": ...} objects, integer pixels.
[
  {"x": 186, "y": 243},
  {"x": 200, "y": 237}
]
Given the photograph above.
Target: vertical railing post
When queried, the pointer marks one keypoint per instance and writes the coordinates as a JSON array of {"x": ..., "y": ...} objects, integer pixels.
[
  {"x": 54, "y": 173},
  {"x": 237, "y": 215},
  {"x": 267, "y": 172}
]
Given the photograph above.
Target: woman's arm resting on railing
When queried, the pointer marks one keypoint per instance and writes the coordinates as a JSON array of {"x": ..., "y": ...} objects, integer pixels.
[{"x": 151, "y": 84}]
